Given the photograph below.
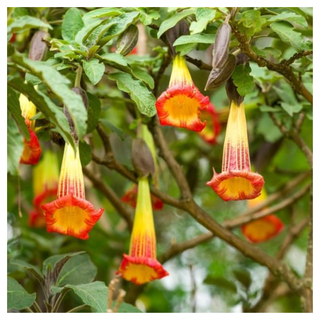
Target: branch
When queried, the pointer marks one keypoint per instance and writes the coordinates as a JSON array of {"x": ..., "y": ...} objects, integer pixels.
[
  {"x": 125, "y": 211},
  {"x": 282, "y": 68},
  {"x": 296, "y": 56},
  {"x": 199, "y": 63}
]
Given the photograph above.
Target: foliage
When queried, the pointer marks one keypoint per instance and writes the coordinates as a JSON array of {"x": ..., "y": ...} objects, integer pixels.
[{"x": 65, "y": 273}]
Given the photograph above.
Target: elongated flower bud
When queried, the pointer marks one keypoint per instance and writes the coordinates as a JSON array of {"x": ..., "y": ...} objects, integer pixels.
[
  {"x": 38, "y": 47},
  {"x": 128, "y": 40}
]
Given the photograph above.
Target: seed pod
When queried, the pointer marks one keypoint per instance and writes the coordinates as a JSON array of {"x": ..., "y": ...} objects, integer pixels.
[
  {"x": 221, "y": 46},
  {"x": 141, "y": 158},
  {"x": 218, "y": 77},
  {"x": 38, "y": 47},
  {"x": 128, "y": 40},
  {"x": 170, "y": 36},
  {"x": 82, "y": 94}
]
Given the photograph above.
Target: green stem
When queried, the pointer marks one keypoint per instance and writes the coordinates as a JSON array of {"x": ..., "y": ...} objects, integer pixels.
[
  {"x": 59, "y": 300},
  {"x": 29, "y": 310},
  {"x": 78, "y": 77},
  {"x": 77, "y": 308},
  {"x": 37, "y": 307}
]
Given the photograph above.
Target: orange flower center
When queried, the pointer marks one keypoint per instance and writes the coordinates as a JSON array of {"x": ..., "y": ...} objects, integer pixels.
[
  {"x": 236, "y": 185},
  {"x": 139, "y": 273}
]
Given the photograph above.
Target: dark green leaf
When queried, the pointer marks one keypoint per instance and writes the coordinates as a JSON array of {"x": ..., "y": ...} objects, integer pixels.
[
  {"x": 94, "y": 110},
  {"x": 34, "y": 270},
  {"x": 17, "y": 297},
  {"x": 46, "y": 106},
  {"x": 203, "y": 16},
  {"x": 72, "y": 23},
  {"x": 143, "y": 76},
  {"x": 93, "y": 294},
  {"x": 221, "y": 283},
  {"x": 78, "y": 270},
  {"x": 85, "y": 32},
  {"x": 94, "y": 70},
  {"x": 291, "y": 108},
  {"x": 60, "y": 86},
  {"x": 173, "y": 20},
  {"x": 14, "y": 108},
  {"x": 26, "y": 22},
  {"x": 14, "y": 145},
  {"x": 195, "y": 39},
  {"x": 290, "y": 17},
  {"x": 113, "y": 128},
  {"x": 143, "y": 98},
  {"x": 286, "y": 33},
  {"x": 85, "y": 153},
  {"x": 243, "y": 276},
  {"x": 265, "y": 52},
  {"x": 242, "y": 79},
  {"x": 270, "y": 109}
]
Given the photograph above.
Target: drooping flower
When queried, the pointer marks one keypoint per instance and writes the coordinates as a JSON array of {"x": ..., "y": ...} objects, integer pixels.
[
  {"x": 31, "y": 149},
  {"x": 45, "y": 187},
  {"x": 130, "y": 197},
  {"x": 212, "y": 129},
  {"x": 264, "y": 228},
  {"x": 236, "y": 182},
  {"x": 181, "y": 104},
  {"x": 71, "y": 214},
  {"x": 141, "y": 265}
]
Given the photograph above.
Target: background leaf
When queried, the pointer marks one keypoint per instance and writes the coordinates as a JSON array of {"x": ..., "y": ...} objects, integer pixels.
[
  {"x": 72, "y": 23},
  {"x": 26, "y": 22},
  {"x": 94, "y": 109},
  {"x": 85, "y": 153}
]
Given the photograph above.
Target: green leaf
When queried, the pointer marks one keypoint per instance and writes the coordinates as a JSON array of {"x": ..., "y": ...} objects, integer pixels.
[
  {"x": 46, "y": 106},
  {"x": 94, "y": 294},
  {"x": 85, "y": 32},
  {"x": 85, "y": 153},
  {"x": 147, "y": 15},
  {"x": 113, "y": 128},
  {"x": 203, "y": 16},
  {"x": 102, "y": 13},
  {"x": 143, "y": 76},
  {"x": 143, "y": 98},
  {"x": 243, "y": 276},
  {"x": 72, "y": 23},
  {"x": 286, "y": 93},
  {"x": 173, "y": 20},
  {"x": 14, "y": 146},
  {"x": 52, "y": 261},
  {"x": 59, "y": 85},
  {"x": 94, "y": 70},
  {"x": 195, "y": 39},
  {"x": 185, "y": 48},
  {"x": 290, "y": 17},
  {"x": 26, "y": 22},
  {"x": 17, "y": 297},
  {"x": 126, "y": 308},
  {"x": 32, "y": 79},
  {"x": 251, "y": 22},
  {"x": 242, "y": 79},
  {"x": 94, "y": 109},
  {"x": 78, "y": 270},
  {"x": 115, "y": 60},
  {"x": 291, "y": 108},
  {"x": 265, "y": 52},
  {"x": 221, "y": 283},
  {"x": 14, "y": 108},
  {"x": 31, "y": 268},
  {"x": 270, "y": 109},
  {"x": 285, "y": 32},
  {"x": 268, "y": 129}
]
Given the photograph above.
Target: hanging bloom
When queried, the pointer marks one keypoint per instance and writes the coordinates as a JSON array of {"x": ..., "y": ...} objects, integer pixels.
[
  {"x": 31, "y": 150},
  {"x": 264, "y": 228},
  {"x": 181, "y": 104},
  {"x": 130, "y": 197},
  {"x": 212, "y": 129},
  {"x": 236, "y": 182},
  {"x": 70, "y": 213},
  {"x": 36, "y": 219},
  {"x": 141, "y": 265}
]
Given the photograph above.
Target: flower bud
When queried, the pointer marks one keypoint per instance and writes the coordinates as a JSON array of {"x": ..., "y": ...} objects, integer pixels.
[
  {"x": 128, "y": 40},
  {"x": 38, "y": 47},
  {"x": 221, "y": 46}
]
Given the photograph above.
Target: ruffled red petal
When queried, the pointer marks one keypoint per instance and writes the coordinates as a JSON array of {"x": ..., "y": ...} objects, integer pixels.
[
  {"x": 236, "y": 184},
  {"x": 262, "y": 229},
  {"x": 46, "y": 196},
  {"x": 71, "y": 216},
  {"x": 212, "y": 129},
  {"x": 36, "y": 219},
  {"x": 140, "y": 270},
  {"x": 31, "y": 150},
  {"x": 180, "y": 106}
]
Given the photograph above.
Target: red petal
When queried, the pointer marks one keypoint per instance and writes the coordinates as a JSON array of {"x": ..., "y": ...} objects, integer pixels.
[{"x": 31, "y": 150}]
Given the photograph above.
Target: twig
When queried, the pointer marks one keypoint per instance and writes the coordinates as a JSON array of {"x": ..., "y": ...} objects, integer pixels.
[
  {"x": 199, "y": 63},
  {"x": 296, "y": 56}
]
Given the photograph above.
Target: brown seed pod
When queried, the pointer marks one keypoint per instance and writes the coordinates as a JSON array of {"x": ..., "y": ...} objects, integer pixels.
[
  {"x": 38, "y": 47},
  {"x": 217, "y": 77},
  {"x": 221, "y": 46},
  {"x": 128, "y": 40},
  {"x": 142, "y": 160}
]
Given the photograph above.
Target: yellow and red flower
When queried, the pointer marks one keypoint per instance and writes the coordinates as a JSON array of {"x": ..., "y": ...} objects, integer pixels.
[
  {"x": 181, "y": 104},
  {"x": 212, "y": 129},
  {"x": 71, "y": 214},
  {"x": 31, "y": 150},
  {"x": 264, "y": 228},
  {"x": 130, "y": 197},
  {"x": 45, "y": 187},
  {"x": 141, "y": 265},
  {"x": 236, "y": 182}
]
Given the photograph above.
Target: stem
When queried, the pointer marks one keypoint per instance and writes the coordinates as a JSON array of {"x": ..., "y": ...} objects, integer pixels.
[
  {"x": 59, "y": 300},
  {"x": 77, "y": 82},
  {"x": 37, "y": 307},
  {"x": 29, "y": 310},
  {"x": 77, "y": 308}
]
